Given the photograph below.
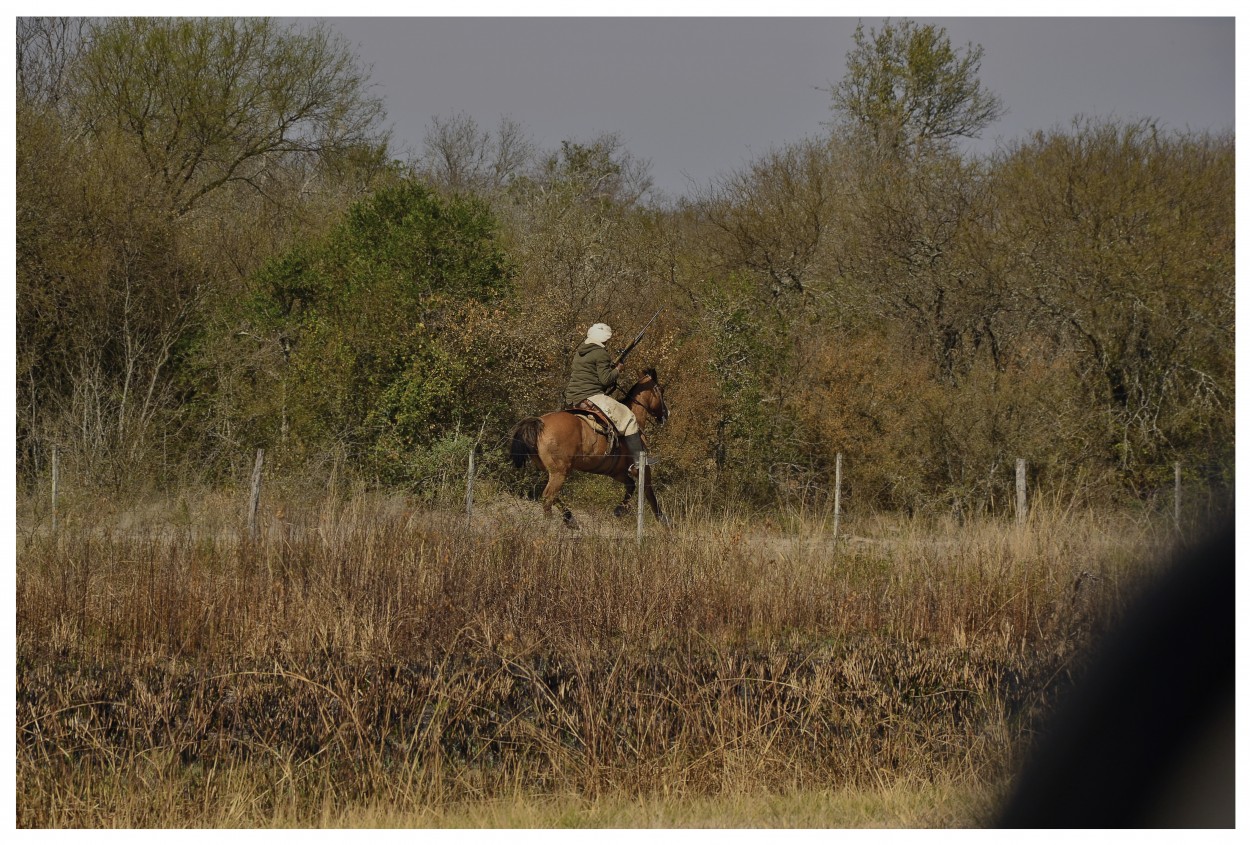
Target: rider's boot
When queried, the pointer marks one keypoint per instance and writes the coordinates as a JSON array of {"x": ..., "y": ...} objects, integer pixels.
[{"x": 633, "y": 442}]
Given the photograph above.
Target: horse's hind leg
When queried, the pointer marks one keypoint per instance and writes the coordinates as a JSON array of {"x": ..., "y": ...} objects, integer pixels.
[
  {"x": 630, "y": 487},
  {"x": 555, "y": 480}
]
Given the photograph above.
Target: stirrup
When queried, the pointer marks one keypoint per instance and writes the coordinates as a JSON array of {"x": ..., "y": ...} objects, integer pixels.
[{"x": 650, "y": 461}]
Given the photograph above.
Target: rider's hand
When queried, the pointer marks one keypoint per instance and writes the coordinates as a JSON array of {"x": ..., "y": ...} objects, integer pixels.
[{"x": 620, "y": 367}]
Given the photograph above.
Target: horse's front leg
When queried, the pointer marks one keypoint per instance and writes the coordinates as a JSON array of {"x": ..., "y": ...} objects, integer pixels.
[
  {"x": 655, "y": 503},
  {"x": 630, "y": 487}
]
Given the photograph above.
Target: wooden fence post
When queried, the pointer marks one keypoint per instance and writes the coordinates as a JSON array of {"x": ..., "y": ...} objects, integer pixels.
[
  {"x": 253, "y": 504},
  {"x": 837, "y": 494},
  {"x": 56, "y": 483},
  {"x": 641, "y": 493},
  {"x": 1022, "y": 506},
  {"x": 1177, "y": 496},
  {"x": 468, "y": 488}
]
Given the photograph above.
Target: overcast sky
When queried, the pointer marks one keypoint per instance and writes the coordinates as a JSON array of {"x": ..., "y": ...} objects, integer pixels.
[{"x": 700, "y": 96}]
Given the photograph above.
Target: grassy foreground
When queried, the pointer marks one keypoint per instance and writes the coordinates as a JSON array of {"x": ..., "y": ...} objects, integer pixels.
[
  {"x": 899, "y": 806},
  {"x": 364, "y": 664}
]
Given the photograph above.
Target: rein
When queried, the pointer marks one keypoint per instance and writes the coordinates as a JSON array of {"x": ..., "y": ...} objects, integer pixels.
[{"x": 631, "y": 399}]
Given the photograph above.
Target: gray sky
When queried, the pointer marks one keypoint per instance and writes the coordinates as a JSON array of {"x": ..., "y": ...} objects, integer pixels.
[{"x": 701, "y": 96}]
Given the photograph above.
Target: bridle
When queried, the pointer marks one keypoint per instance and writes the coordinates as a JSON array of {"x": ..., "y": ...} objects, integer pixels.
[{"x": 660, "y": 415}]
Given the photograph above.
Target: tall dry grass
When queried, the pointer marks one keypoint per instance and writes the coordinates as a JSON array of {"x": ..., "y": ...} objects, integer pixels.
[{"x": 365, "y": 657}]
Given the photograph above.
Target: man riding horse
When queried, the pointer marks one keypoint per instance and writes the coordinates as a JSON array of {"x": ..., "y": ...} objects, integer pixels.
[
  {"x": 563, "y": 441},
  {"x": 593, "y": 378}
]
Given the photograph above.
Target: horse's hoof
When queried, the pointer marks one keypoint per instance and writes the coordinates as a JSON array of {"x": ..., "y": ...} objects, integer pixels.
[
  {"x": 664, "y": 520},
  {"x": 619, "y": 512}
]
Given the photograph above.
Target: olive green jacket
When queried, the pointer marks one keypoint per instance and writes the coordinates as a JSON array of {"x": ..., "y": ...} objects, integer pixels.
[{"x": 592, "y": 373}]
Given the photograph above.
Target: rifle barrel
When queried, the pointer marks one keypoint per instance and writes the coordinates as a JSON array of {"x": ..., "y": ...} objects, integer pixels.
[{"x": 638, "y": 337}]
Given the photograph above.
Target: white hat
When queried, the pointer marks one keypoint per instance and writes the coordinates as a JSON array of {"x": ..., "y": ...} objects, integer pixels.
[{"x": 599, "y": 333}]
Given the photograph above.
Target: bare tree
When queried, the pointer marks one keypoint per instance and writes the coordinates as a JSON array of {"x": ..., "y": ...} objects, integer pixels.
[
  {"x": 461, "y": 156},
  {"x": 46, "y": 51},
  {"x": 775, "y": 214}
]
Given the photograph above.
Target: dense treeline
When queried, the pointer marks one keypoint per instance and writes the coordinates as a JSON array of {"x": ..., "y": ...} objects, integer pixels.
[{"x": 217, "y": 251}]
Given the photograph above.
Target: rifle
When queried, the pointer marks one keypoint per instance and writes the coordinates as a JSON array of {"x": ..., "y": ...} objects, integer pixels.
[{"x": 634, "y": 342}]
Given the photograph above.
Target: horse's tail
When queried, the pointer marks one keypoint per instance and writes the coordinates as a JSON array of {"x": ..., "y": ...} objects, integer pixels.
[{"x": 525, "y": 440}]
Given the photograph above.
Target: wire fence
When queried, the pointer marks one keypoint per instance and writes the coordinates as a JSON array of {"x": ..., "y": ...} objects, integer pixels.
[{"x": 1184, "y": 501}]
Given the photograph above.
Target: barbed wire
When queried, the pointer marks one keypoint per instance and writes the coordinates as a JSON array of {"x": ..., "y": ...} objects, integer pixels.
[{"x": 651, "y": 459}]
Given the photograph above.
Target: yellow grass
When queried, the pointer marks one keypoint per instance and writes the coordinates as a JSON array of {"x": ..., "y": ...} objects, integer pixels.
[{"x": 371, "y": 663}]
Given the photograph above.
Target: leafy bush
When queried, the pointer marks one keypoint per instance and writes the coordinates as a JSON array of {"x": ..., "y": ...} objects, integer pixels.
[{"x": 380, "y": 326}]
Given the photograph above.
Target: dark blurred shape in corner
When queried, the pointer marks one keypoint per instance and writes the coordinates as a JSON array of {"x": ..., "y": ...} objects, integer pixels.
[{"x": 1146, "y": 738}]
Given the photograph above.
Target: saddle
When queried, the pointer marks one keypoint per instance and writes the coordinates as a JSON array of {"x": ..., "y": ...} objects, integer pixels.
[{"x": 596, "y": 419}]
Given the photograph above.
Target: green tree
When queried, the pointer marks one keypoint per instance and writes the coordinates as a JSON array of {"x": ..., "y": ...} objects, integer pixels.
[
  {"x": 376, "y": 339},
  {"x": 106, "y": 291},
  {"x": 217, "y": 101},
  {"x": 906, "y": 88},
  {"x": 157, "y": 162}
]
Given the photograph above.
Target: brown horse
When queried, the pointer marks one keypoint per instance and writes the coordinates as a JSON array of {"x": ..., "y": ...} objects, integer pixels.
[{"x": 561, "y": 441}]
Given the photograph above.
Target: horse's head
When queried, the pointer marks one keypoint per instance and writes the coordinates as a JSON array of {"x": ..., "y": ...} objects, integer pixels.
[{"x": 648, "y": 393}]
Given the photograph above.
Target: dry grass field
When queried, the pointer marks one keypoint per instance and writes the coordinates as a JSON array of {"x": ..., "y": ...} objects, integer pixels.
[{"x": 370, "y": 662}]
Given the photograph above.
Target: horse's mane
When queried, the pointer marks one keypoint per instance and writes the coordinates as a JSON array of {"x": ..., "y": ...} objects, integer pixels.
[{"x": 648, "y": 377}]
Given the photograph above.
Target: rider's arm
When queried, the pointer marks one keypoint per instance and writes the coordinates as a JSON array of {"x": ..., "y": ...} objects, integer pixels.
[{"x": 605, "y": 371}]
